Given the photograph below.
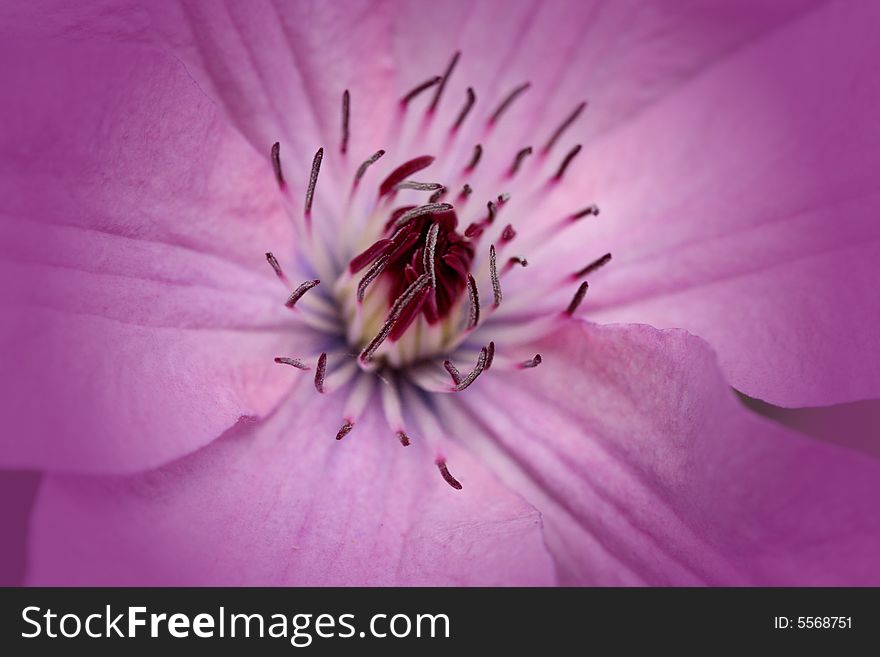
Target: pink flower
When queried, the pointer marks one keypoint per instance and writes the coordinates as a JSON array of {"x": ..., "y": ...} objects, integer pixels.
[{"x": 732, "y": 152}]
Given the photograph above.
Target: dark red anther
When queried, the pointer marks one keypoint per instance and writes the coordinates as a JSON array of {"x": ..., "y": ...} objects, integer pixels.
[
  {"x": 468, "y": 105},
  {"x": 436, "y": 196},
  {"x": 452, "y": 481},
  {"x": 403, "y": 172},
  {"x": 442, "y": 85},
  {"x": 276, "y": 164},
  {"x": 411, "y": 295},
  {"x": 474, "y": 230},
  {"x": 587, "y": 211},
  {"x": 362, "y": 169},
  {"x": 274, "y": 264},
  {"x": 297, "y": 294},
  {"x": 418, "y": 89},
  {"x": 490, "y": 356},
  {"x": 492, "y": 210},
  {"x": 344, "y": 430},
  {"x": 565, "y": 125},
  {"x": 531, "y": 362},
  {"x": 320, "y": 371},
  {"x": 475, "y": 158},
  {"x": 313, "y": 180},
  {"x": 453, "y": 371},
  {"x": 508, "y": 101},
  {"x": 474, "y": 317},
  {"x": 508, "y": 233},
  {"x": 346, "y": 110},
  {"x": 593, "y": 266},
  {"x": 465, "y": 191},
  {"x": 293, "y": 362},
  {"x": 577, "y": 299},
  {"x": 517, "y": 260},
  {"x": 566, "y": 161},
  {"x": 403, "y": 438},
  {"x": 466, "y": 381},
  {"x": 521, "y": 155},
  {"x": 503, "y": 198}
]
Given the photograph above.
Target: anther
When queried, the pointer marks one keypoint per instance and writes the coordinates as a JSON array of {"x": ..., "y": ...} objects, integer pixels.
[
  {"x": 430, "y": 250},
  {"x": 427, "y": 84},
  {"x": 508, "y": 101},
  {"x": 521, "y": 155},
  {"x": 468, "y": 105},
  {"x": 403, "y": 301},
  {"x": 518, "y": 260},
  {"x": 490, "y": 356},
  {"x": 577, "y": 299},
  {"x": 403, "y": 172},
  {"x": 346, "y": 110},
  {"x": 565, "y": 125},
  {"x": 508, "y": 233},
  {"x": 403, "y": 438},
  {"x": 297, "y": 294},
  {"x": 453, "y": 371},
  {"x": 531, "y": 362},
  {"x": 293, "y": 362},
  {"x": 313, "y": 180},
  {"x": 503, "y": 198},
  {"x": 475, "y": 158},
  {"x": 452, "y": 481},
  {"x": 344, "y": 430},
  {"x": 273, "y": 263},
  {"x": 587, "y": 211},
  {"x": 362, "y": 169},
  {"x": 442, "y": 85},
  {"x": 474, "y": 373},
  {"x": 420, "y": 211},
  {"x": 493, "y": 211},
  {"x": 493, "y": 274},
  {"x": 593, "y": 266},
  {"x": 474, "y": 295},
  {"x": 320, "y": 371},
  {"x": 418, "y": 186},
  {"x": 474, "y": 230},
  {"x": 566, "y": 161},
  {"x": 436, "y": 196},
  {"x": 465, "y": 191},
  {"x": 276, "y": 164}
]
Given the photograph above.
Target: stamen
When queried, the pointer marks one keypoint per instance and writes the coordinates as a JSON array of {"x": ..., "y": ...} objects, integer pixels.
[
  {"x": 503, "y": 198},
  {"x": 493, "y": 274},
  {"x": 442, "y": 85},
  {"x": 474, "y": 317},
  {"x": 436, "y": 196},
  {"x": 403, "y": 438},
  {"x": 577, "y": 299},
  {"x": 493, "y": 210},
  {"x": 276, "y": 164},
  {"x": 518, "y": 260},
  {"x": 427, "y": 84},
  {"x": 521, "y": 155},
  {"x": 508, "y": 233},
  {"x": 566, "y": 161},
  {"x": 589, "y": 210},
  {"x": 313, "y": 180},
  {"x": 490, "y": 356},
  {"x": 362, "y": 169},
  {"x": 565, "y": 125},
  {"x": 396, "y": 310},
  {"x": 532, "y": 362},
  {"x": 593, "y": 266},
  {"x": 474, "y": 230},
  {"x": 297, "y": 294},
  {"x": 453, "y": 371},
  {"x": 403, "y": 172},
  {"x": 430, "y": 248},
  {"x": 468, "y": 105},
  {"x": 372, "y": 274},
  {"x": 478, "y": 369},
  {"x": 346, "y": 110},
  {"x": 344, "y": 430},
  {"x": 475, "y": 159},
  {"x": 273, "y": 263},
  {"x": 465, "y": 191},
  {"x": 418, "y": 186},
  {"x": 320, "y": 372},
  {"x": 452, "y": 481},
  {"x": 507, "y": 102},
  {"x": 293, "y": 362},
  {"x": 420, "y": 211}
]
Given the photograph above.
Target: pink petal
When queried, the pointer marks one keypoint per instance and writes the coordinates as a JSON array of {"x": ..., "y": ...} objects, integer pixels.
[
  {"x": 283, "y": 503},
  {"x": 140, "y": 316},
  {"x": 647, "y": 470},
  {"x": 744, "y": 209}
]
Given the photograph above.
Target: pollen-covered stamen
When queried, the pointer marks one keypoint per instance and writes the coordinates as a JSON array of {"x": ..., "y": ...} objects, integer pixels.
[
  {"x": 420, "y": 211},
  {"x": 436, "y": 196},
  {"x": 565, "y": 125},
  {"x": 521, "y": 155},
  {"x": 403, "y": 438},
  {"x": 344, "y": 430},
  {"x": 293, "y": 362},
  {"x": 590, "y": 210},
  {"x": 493, "y": 275},
  {"x": 320, "y": 371},
  {"x": 465, "y": 110},
  {"x": 508, "y": 233},
  {"x": 475, "y": 158},
  {"x": 444, "y": 80},
  {"x": 453, "y": 371},
  {"x": 474, "y": 296},
  {"x": 418, "y": 186},
  {"x": 313, "y": 180},
  {"x": 418, "y": 89},
  {"x": 276, "y": 266},
  {"x": 474, "y": 373},
  {"x": 490, "y": 356},
  {"x": 508, "y": 101},
  {"x": 346, "y": 111},
  {"x": 444, "y": 471},
  {"x": 276, "y": 164},
  {"x": 566, "y": 161},
  {"x": 362, "y": 169},
  {"x": 531, "y": 362},
  {"x": 577, "y": 299},
  {"x": 396, "y": 311},
  {"x": 593, "y": 266},
  {"x": 403, "y": 172},
  {"x": 297, "y": 294},
  {"x": 430, "y": 253}
]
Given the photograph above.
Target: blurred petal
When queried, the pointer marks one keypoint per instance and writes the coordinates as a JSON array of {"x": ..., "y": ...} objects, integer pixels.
[
  {"x": 283, "y": 503},
  {"x": 647, "y": 470}
]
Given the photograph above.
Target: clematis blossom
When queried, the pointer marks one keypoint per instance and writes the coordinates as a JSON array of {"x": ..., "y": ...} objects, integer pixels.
[{"x": 405, "y": 293}]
